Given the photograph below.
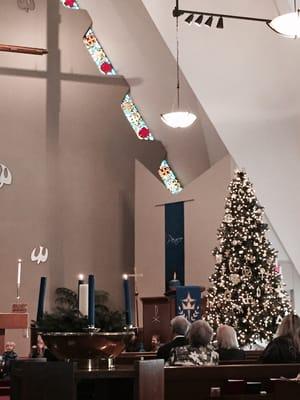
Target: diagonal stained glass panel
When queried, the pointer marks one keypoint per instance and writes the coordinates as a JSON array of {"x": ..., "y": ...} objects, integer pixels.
[
  {"x": 70, "y": 4},
  {"x": 168, "y": 177},
  {"x": 97, "y": 53},
  {"x": 135, "y": 119}
]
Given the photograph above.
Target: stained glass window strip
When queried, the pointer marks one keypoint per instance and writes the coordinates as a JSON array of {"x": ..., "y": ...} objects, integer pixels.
[
  {"x": 128, "y": 106},
  {"x": 97, "y": 53},
  {"x": 70, "y": 4},
  {"x": 168, "y": 177},
  {"x": 135, "y": 119}
]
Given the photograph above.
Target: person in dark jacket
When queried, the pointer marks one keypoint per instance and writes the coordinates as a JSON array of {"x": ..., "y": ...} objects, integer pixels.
[
  {"x": 8, "y": 357},
  {"x": 228, "y": 346},
  {"x": 285, "y": 348},
  {"x": 180, "y": 327},
  {"x": 40, "y": 350}
]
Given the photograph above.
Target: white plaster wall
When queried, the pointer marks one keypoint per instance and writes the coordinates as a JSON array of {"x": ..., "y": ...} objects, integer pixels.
[
  {"x": 138, "y": 52},
  {"x": 202, "y": 218},
  {"x": 71, "y": 152}
]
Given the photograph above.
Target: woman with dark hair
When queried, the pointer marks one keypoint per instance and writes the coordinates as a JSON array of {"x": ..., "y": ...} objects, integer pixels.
[
  {"x": 285, "y": 348},
  {"x": 199, "y": 351}
]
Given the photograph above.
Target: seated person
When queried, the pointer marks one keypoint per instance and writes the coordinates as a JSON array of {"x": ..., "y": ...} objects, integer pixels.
[
  {"x": 8, "y": 356},
  {"x": 41, "y": 350},
  {"x": 155, "y": 342},
  {"x": 228, "y": 346},
  {"x": 133, "y": 344},
  {"x": 285, "y": 348},
  {"x": 180, "y": 327},
  {"x": 200, "y": 351}
]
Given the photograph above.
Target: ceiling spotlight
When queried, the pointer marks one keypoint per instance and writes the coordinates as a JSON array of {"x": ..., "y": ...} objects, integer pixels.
[
  {"x": 199, "y": 20},
  {"x": 209, "y": 21},
  {"x": 220, "y": 24},
  {"x": 189, "y": 19}
]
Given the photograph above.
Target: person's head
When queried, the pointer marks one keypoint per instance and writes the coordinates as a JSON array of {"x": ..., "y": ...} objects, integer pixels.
[
  {"x": 289, "y": 325},
  {"x": 226, "y": 337},
  {"x": 40, "y": 343},
  {"x": 155, "y": 342},
  {"x": 10, "y": 346},
  {"x": 180, "y": 325},
  {"x": 200, "y": 333}
]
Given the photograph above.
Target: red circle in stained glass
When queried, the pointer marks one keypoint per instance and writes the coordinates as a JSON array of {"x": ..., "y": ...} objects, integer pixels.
[
  {"x": 144, "y": 133},
  {"x": 69, "y": 3},
  {"x": 106, "y": 67}
]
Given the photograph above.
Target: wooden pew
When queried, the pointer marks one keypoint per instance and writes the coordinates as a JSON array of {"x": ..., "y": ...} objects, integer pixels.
[
  {"x": 230, "y": 381},
  {"x": 32, "y": 380},
  {"x": 129, "y": 358}
]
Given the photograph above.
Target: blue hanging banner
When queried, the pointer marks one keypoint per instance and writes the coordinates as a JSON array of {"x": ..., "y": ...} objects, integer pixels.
[
  {"x": 174, "y": 244},
  {"x": 188, "y": 302}
]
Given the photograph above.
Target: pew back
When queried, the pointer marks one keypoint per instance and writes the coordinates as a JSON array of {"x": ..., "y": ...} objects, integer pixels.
[
  {"x": 239, "y": 381},
  {"x": 42, "y": 380}
]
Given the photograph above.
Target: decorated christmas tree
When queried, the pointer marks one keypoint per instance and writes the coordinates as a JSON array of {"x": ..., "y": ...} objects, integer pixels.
[{"x": 247, "y": 289}]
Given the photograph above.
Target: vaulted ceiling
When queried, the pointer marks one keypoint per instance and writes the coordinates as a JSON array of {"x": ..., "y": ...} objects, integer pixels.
[{"x": 242, "y": 81}]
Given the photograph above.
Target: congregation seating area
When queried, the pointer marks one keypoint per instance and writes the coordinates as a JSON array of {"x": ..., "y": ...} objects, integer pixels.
[{"x": 150, "y": 379}]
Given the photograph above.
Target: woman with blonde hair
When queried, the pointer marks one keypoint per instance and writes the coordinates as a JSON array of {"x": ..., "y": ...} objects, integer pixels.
[
  {"x": 285, "y": 348},
  {"x": 228, "y": 346}
]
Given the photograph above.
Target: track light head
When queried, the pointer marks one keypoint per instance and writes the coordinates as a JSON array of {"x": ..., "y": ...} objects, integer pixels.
[
  {"x": 198, "y": 20},
  {"x": 189, "y": 19},
  {"x": 177, "y": 12},
  {"x": 209, "y": 21},
  {"x": 220, "y": 24}
]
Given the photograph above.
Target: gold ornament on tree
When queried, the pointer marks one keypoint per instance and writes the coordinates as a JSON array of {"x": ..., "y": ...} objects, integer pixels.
[
  {"x": 235, "y": 278},
  {"x": 227, "y": 294},
  {"x": 228, "y": 218},
  {"x": 219, "y": 258},
  {"x": 247, "y": 272}
]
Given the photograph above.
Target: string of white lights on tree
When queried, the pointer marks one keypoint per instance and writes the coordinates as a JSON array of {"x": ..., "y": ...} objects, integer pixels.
[{"x": 247, "y": 290}]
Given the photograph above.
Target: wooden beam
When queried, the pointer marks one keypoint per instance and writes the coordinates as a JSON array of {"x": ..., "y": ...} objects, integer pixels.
[{"x": 23, "y": 49}]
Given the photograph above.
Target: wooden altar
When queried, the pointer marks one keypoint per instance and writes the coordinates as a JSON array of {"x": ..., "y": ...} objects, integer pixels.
[{"x": 11, "y": 321}]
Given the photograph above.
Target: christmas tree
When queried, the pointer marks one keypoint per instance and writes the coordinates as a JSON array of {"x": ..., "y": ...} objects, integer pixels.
[{"x": 247, "y": 290}]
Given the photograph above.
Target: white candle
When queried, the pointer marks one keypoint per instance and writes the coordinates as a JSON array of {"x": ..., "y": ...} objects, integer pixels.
[
  {"x": 19, "y": 273},
  {"x": 84, "y": 298}
]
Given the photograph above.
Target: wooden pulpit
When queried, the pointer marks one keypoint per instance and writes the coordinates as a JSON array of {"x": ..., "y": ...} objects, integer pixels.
[
  {"x": 11, "y": 321},
  {"x": 157, "y": 314}
]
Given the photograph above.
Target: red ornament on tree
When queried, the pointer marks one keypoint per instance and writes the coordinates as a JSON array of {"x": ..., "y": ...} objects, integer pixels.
[
  {"x": 144, "y": 133},
  {"x": 106, "y": 67}
]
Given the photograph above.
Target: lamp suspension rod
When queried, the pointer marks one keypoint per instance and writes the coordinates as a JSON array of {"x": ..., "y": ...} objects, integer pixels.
[
  {"x": 177, "y": 62},
  {"x": 178, "y": 12}
]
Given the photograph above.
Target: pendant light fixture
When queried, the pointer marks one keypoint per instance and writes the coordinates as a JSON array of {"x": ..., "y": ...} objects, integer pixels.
[
  {"x": 178, "y": 118},
  {"x": 287, "y": 24}
]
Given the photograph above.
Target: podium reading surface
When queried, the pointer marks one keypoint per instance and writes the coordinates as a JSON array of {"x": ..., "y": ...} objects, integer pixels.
[{"x": 11, "y": 321}]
